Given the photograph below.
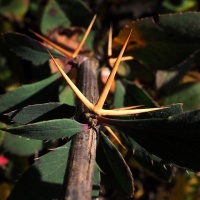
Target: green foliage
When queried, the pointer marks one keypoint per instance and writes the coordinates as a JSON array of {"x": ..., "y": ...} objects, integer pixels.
[
  {"x": 21, "y": 146},
  {"x": 43, "y": 180},
  {"x": 14, "y": 9},
  {"x": 161, "y": 134},
  {"x": 30, "y": 94},
  {"x": 155, "y": 141},
  {"x": 108, "y": 158},
  {"x": 53, "y": 13},
  {"x": 128, "y": 94},
  {"x": 164, "y": 43},
  {"x": 48, "y": 130},
  {"x": 187, "y": 93},
  {"x": 28, "y": 48},
  {"x": 40, "y": 112}
]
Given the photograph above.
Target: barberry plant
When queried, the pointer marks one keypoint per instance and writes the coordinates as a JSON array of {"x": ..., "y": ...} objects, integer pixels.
[{"x": 81, "y": 155}]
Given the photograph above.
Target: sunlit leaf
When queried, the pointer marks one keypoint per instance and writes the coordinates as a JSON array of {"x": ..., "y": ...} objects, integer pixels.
[
  {"x": 66, "y": 95},
  {"x": 44, "y": 179},
  {"x": 52, "y": 17},
  {"x": 21, "y": 146},
  {"x": 48, "y": 130},
  {"x": 190, "y": 183},
  {"x": 180, "y": 6},
  {"x": 164, "y": 43}
]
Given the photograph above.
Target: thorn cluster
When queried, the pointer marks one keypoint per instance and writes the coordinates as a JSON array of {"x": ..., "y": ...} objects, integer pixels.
[{"x": 98, "y": 107}]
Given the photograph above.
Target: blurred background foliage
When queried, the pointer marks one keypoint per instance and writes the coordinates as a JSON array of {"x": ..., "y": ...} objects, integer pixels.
[{"x": 64, "y": 22}]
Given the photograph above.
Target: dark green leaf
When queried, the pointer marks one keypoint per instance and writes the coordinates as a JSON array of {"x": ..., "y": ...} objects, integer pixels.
[
  {"x": 41, "y": 112},
  {"x": 115, "y": 172},
  {"x": 21, "y": 146},
  {"x": 150, "y": 163},
  {"x": 39, "y": 92},
  {"x": 164, "y": 43},
  {"x": 128, "y": 94},
  {"x": 81, "y": 15},
  {"x": 172, "y": 109},
  {"x": 174, "y": 139},
  {"x": 44, "y": 179},
  {"x": 48, "y": 130},
  {"x": 187, "y": 93},
  {"x": 96, "y": 182},
  {"x": 28, "y": 48}
]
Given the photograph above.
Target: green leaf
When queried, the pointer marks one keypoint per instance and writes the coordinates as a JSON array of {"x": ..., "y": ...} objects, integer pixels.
[
  {"x": 115, "y": 172},
  {"x": 164, "y": 43},
  {"x": 82, "y": 15},
  {"x": 187, "y": 93},
  {"x": 180, "y": 6},
  {"x": 48, "y": 130},
  {"x": 172, "y": 109},
  {"x": 39, "y": 92},
  {"x": 66, "y": 95},
  {"x": 41, "y": 112},
  {"x": 44, "y": 179},
  {"x": 128, "y": 94},
  {"x": 21, "y": 146},
  {"x": 14, "y": 9},
  {"x": 174, "y": 139},
  {"x": 96, "y": 182},
  {"x": 150, "y": 163},
  {"x": 53, "y": 17},
  {"x": 28, "y": 48},
  {"x": 2, "y": 134}
]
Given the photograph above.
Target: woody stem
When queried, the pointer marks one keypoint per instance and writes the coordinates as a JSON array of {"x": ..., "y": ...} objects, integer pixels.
[{"x": 79, "y": 173}]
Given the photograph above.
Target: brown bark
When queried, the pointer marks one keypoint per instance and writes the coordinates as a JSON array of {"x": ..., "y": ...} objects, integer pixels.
[{"x": 78, "y": 178}]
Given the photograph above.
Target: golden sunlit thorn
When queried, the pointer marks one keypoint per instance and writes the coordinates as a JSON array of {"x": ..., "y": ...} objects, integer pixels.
[
  {"x": 85, "y": 101},
  {"x": 164, "y": 166},
  {"x": 111, "y": 77},
  {"x": 113, "y": 134},
  {"x": 127, "y": 108},
  {"x": 125, "y": 58},
  {"x": 36, "y": 159},
  {"x": 133, "y": 151},
  {"x": 128, "y": 112},
  {"x": 76, "y": 52},
  {"x": 110, "y": 41},
  {"x": 60, "y": 49},
  {"x": 51, "y": 149},
  {"x": 109, "y": 51}
]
